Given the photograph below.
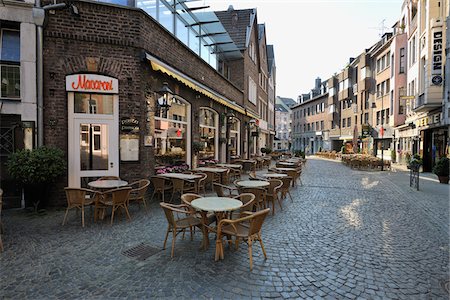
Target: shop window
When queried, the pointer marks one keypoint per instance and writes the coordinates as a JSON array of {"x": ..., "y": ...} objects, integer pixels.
[
  {"x": 86, "y": 103},
  {"x": 171, "y": 134},
  {"x": 235, "y": 137},
  {"x": 208, "y": 133}
]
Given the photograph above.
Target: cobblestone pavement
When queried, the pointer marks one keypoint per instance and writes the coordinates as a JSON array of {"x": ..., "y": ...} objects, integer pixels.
[{"x": 348, "y": 234}]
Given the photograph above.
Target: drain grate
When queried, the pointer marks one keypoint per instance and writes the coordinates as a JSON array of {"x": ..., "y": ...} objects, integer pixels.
[
  {"x": 141, "y": 252},
  {"x": 446, "y": 285}
]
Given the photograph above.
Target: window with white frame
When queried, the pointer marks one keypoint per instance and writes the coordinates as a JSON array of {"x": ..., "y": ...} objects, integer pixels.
[
  {"x": 10, "y": 63},
  {"x": 251, "y": 90}
]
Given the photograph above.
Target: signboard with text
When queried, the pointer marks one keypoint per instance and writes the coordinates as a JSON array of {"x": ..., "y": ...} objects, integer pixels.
[{"x": 92, "y": 83}]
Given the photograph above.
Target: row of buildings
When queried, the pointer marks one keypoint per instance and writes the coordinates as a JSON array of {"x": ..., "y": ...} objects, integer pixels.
[
  {"x": 125, "y": 86},
  {"x": 392, "y": 100}
]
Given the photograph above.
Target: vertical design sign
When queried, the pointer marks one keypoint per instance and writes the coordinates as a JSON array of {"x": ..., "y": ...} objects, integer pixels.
[{"x": 436, "y": 56}]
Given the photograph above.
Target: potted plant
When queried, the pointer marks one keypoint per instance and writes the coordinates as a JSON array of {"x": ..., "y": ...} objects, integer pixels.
[
  {"x": 37, "y": 169},
  {"x": 441, "y": 169},
  {"x": 415, "y": 162},
  {"x": 196, "y": 148}
]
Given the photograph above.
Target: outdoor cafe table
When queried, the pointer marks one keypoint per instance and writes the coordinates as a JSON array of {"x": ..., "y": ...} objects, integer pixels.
[
  {"x": 217, "y": 205},
  {"x": 274, "y": 175},
  {"x": 284, "y": 169},
  {"x": 107, "y": 184},
  {"x": 253, "y": 183},
  {"x": 231, "y": 166},
  {"x": 221, "y": 171},
  {"x": 287, "y": 164},
  {"x": 180, "y": 176}
]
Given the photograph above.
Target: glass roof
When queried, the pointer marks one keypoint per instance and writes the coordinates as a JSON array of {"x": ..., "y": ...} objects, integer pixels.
[{"x": 211, "y": 29}]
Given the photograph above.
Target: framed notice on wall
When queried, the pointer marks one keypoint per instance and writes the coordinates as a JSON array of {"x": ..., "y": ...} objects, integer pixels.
[{"x": 129, "y": 147}]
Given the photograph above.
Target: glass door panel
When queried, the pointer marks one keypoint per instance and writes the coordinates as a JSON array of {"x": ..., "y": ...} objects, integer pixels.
[{"x": 94, "y": 148}]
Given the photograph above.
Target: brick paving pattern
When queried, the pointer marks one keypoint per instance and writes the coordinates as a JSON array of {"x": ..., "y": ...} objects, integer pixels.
[{"x": 348, "y": 234}]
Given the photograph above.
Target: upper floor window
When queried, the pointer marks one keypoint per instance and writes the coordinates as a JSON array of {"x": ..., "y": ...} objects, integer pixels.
[
  {"x": 252, "y": 52},
  {"x": 10, "y": 63},
  {"x": 251, "y": 90},
  {"x": 402, "y": 60}
]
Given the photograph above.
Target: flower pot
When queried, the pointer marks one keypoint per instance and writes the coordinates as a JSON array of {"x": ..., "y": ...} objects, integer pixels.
[{"x": 443, "y": 179}]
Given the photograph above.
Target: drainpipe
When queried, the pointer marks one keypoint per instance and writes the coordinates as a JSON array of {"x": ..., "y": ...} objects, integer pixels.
[{"x": 39, "y": 17}]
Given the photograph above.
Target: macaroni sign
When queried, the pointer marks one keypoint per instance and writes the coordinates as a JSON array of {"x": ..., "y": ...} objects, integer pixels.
[{"x": 92, "y": 83}]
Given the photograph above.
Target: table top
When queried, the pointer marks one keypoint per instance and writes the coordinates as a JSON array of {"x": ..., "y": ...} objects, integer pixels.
[
  {"x": 107, "y": 184},
  {"x": 273, "y": 175},
  {"x": 247, "y": 160},
  {"x": 233, "y": 166},
  {"x": 285, "y": 169},
  {"x": 287, "y": 163},
  {"x": 216, "y": 204},
  {"x": 211, "y": 169},
  {"x": 181, "y": 176},
  {"x": 253, "y": 183}
]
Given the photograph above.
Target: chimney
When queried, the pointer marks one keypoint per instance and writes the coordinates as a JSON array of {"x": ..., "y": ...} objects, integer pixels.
[{"x": 318, "y": 83}]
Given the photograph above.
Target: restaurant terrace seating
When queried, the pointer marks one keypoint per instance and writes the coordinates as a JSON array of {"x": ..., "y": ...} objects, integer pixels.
[
  {"x": 179, "y": 218},
  {"x": 78, "y": 198},
  {"x": 139, "y": 189},
  {"x": 220, "y": 190},
  {"x": 260, "y": 195},
  {"x": 247, "y": 228},
  {"x": 248, "y": 204},
  {"x": 117, "y": 199},
  {"x": 285, "y": 187},
  {"x": 272, "y": 193},
  {"x": 160, "y": 186},
  {"x": 181, "y": 186}
]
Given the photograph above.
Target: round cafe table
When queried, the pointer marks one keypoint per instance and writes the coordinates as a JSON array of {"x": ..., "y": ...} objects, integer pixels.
[
  {"x": 253, "y": 183},
  {"x": 218, "y": 205},
  {"x": 107, "y": 184}
]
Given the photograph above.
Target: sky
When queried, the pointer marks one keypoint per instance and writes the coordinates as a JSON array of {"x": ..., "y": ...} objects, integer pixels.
[{"x": 316, "y": 38}]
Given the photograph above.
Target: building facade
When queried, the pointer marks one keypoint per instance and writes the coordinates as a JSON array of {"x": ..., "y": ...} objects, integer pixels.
[
  {"x": 103, "y": 82},
  {"x": 283, "y": 123},
  {"x": 18, "y": 109}
]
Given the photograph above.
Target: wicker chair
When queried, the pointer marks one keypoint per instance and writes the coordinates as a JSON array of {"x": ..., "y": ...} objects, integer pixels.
[
  {"x": 187, "y": 199},
  {"x": 139, "y": 188},
  {"x": 247, "y": 228},
  {"x": 260, "y": 196},
  {"x": 117, "y": 199},
  {"x": 235, "y": 173},
  {"x": 177, "y": 224},
  {"x": 220, "y": 190},
  {"x": 211, "y": 178},
  {"x": 78, "y": 198},
  {"x": 285, "y": 187},
  {"x": 160, "y": 186},
  {"x": 181, "y": 186},
  {"x": 200, "y": 183},
  {"x": 272, "y": 193},
  {"x": 248, "y": 204}
]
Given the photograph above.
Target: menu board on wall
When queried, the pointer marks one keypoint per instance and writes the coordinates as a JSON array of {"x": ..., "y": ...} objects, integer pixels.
[{"x": 129, "y": 147}]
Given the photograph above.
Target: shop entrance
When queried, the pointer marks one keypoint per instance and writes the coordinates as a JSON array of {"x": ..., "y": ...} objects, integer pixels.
[{"x": 93, "y": 130}]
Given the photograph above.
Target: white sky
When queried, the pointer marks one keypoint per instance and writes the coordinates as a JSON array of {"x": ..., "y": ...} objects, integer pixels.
[{"x": 316, "y": 38}]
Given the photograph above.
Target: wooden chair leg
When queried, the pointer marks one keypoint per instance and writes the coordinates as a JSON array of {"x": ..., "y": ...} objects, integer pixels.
[
  {"x": 82, "y": 216},
  {"x": 167, "y": 235},
  {"x": 127, "y": 212},
  {"x": 65, "y": 216},
  {"x": 112, "y": 214},
  {"x": 262, "y": 246},
  {"x": 174, "y": 231},
  {"x": 250, "y": 253}
]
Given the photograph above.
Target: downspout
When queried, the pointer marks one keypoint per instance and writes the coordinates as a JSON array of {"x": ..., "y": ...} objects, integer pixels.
[{"x": 39, "y": 17}]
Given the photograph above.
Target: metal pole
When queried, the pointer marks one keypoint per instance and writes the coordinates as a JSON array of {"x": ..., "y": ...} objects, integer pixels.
[
  {"x": 227, "y": 136},
  {"x": 40, "y": 81},
  {"x": 382, "y": 133}
]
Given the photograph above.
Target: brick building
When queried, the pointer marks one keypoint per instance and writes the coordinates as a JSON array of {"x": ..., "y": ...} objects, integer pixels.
[{"x": 102, "y": 75}]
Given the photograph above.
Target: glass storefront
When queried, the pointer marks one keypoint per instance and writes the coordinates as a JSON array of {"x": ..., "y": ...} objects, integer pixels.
[
  {"x": 208, "y": 133},
  {"x": 235, "y": 137},
  {"x": 171, "y": 134}
]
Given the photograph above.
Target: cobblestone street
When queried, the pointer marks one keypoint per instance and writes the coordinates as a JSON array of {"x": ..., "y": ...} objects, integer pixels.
[{"x": 348, "y": 234}]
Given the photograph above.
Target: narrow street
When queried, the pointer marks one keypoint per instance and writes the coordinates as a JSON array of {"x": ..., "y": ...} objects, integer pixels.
[{"x": 347, "y": 234}]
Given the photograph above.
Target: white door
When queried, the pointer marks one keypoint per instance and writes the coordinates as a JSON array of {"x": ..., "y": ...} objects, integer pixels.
[{"x": 93, "y": 143}]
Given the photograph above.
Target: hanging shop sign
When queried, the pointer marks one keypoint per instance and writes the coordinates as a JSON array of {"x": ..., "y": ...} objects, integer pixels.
[
  {"x": 129, "y": 125},
  {"x": 365, "y": 130},
  {"x": 437, "y": 52},
  {"x": 92, "y": 83}
]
